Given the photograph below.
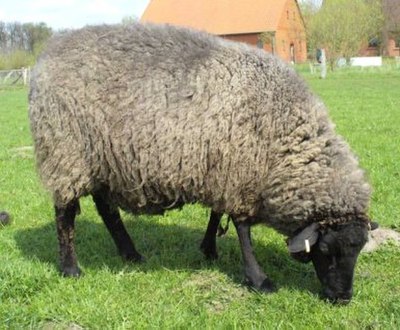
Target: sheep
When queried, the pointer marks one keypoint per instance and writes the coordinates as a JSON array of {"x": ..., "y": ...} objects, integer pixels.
[{"x": 150, "y": 117}]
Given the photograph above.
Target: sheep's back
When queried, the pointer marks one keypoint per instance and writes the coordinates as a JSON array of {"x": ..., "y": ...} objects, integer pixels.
[{"x": 165, "y": 115}]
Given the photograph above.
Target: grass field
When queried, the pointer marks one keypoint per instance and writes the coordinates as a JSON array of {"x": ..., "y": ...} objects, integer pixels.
[{"x": 176, "y": 288}]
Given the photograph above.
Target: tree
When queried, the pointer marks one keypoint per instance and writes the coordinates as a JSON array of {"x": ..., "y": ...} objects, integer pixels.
[
  {"x": 391, "y": 10},
  {"x": 35, "y": 36},
  {"x": 21, "y": 43},
  {"x": 26, "y": 37},
  {"x": 342, "y": 27},
  {"x": 128, "y": 20}
]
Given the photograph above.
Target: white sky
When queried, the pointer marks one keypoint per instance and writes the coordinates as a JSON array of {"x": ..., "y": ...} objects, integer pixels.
[{"x": 70, "y": 13}]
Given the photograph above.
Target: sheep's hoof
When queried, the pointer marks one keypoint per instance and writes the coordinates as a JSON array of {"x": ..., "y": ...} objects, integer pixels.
[
  {"x": 213, "y": 255},
  {"x": 209, "y": 252},
  {"x": 71, "y": 272},
  {"x": 133, "y": 257},
  {"x": 267, "y": 286}
]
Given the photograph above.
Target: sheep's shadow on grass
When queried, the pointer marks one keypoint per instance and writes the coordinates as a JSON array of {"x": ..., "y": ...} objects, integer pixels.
[{"x": 171, "y": 246}]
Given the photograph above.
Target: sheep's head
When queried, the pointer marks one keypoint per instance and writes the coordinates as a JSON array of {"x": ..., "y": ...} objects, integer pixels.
[{"x": 333, "y": 251}]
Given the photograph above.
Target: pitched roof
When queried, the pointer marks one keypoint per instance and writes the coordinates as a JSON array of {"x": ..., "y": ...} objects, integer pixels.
[{"x": 220, "y": 17}]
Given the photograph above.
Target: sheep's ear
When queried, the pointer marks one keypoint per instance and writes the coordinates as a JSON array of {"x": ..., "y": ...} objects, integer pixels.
[{"x": 304, "y": 240}]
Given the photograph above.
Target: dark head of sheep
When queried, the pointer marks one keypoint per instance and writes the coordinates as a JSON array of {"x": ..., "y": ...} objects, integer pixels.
[
  {"x": 150, "y": 117},
  {"x": 333, "y": 249}
]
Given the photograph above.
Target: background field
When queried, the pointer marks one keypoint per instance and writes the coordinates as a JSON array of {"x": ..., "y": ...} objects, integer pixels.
[{"x": 176, "y": 288}]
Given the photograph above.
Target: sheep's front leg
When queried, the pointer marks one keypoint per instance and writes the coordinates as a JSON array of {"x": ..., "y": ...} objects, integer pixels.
[
  {"x": 65, "y": 219},
  {"x": 255, "y": 277},
  {"x": 209, "y": 244},
  {"x": 110, "y": 215}
]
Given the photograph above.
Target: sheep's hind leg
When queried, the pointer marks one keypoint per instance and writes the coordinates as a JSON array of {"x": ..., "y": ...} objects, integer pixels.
[
  {"x": 209, "y": 244},
  {"x": 111, "y": 217},
  {"x": 65, "y": 219},
  {"x": 255, "y": 277}
]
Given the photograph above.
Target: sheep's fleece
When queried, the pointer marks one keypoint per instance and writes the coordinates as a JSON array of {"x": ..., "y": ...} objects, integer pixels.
[{"x": 165, "y": 116}]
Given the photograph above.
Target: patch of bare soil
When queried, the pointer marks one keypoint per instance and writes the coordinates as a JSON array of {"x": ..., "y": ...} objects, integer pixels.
[{"x": 379, "y": 237}]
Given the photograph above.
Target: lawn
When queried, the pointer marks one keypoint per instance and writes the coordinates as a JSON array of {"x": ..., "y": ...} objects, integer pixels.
[{"x": 176, "y": 288}]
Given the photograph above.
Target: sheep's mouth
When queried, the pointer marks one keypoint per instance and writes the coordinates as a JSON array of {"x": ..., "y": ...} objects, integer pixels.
[
  {"x": 339, "y": 301},
  {"x": 342, "y": 298}
]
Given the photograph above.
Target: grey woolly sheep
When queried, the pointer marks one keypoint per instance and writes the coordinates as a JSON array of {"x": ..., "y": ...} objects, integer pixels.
[{"x": 149, "y": 117}]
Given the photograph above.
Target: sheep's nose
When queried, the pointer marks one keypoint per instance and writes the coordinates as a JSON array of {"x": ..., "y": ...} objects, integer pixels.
[
  {"x": 339, "y": 298},
  {"x": 341, "y": 301}
]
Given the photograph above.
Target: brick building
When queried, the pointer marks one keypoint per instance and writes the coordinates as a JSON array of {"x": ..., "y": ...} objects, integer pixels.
[{"x": 274, "y": 25}]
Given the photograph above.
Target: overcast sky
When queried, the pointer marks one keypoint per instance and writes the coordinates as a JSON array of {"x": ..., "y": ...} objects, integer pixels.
[{"x": 70, "y": 13}]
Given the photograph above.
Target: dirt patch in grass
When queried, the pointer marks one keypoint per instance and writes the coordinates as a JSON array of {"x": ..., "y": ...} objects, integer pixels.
[
  {"x": 215, "y": 292},
  {"x": 379, "y": 237}
]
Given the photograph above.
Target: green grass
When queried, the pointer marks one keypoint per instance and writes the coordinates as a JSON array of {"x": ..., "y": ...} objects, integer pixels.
[{"x": 176, "y": 288}]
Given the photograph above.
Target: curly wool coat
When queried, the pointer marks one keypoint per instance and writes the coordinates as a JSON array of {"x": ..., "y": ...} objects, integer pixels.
[{"x": 165, "y": 116}]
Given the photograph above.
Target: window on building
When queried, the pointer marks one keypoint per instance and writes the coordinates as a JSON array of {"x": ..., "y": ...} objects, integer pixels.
[
  {"x": 260, "y": 44},
  {"x": 397, "y": 42},
  {"x": 373, "y": 42}
]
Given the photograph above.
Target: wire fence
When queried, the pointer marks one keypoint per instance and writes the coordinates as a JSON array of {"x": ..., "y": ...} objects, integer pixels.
[{"x": 15, "y": 77}]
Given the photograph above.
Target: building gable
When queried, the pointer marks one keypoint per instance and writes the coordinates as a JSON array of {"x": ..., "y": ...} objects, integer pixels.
[
  {"x": 239, "y": 20},
  {"x": 221, "y": 17}
]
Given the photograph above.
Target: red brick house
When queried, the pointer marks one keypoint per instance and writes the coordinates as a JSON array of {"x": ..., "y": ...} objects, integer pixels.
[
  {"x": 274, "y": 25},
  {"x": 391, "y": 29},
  {"x": 390, "y": 48},
  {"x": 390, "y": 38}
]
